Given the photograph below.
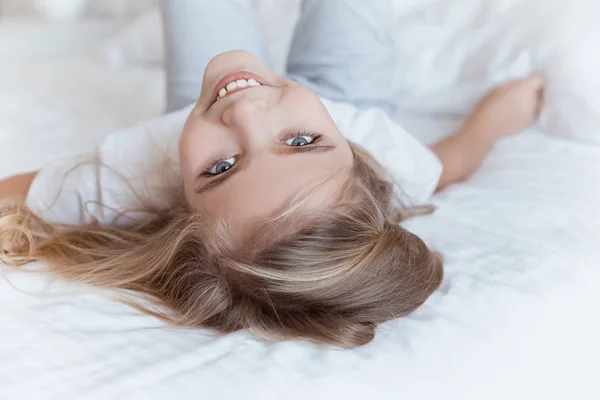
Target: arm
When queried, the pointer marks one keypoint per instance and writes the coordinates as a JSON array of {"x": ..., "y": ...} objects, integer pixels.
[
  {"x": 16, "y": 187},
  {"x": 508, "y": 109},
  {"x": 99, "y": 186},
  {"x": 461, "y": 154}
]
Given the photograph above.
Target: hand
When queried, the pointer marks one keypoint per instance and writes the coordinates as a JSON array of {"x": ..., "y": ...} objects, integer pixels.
[
  {"x": 16, "y": 187},
  {"x": 510, "y": 108}
]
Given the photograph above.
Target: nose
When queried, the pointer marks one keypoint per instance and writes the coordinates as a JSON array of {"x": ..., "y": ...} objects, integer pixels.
[{"x": 246, "y": 114}]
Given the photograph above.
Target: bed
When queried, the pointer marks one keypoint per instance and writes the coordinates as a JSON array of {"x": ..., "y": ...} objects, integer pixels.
[{"x": 516, "y": 317}]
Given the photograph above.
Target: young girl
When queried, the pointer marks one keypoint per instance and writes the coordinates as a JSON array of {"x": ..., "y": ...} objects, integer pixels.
[{"x": 279, "y": 219}]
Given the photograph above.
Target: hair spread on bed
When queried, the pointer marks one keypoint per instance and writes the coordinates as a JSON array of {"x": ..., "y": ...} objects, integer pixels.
[{"x": 344, "y": 270}]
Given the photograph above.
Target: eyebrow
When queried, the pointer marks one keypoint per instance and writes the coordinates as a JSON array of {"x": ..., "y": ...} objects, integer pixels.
[
  {"x": 304, "y": 149},
  {"x": 219, "y": 180}
]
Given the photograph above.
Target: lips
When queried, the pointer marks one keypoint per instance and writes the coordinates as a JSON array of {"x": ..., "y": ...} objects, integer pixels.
[{"x": 237, "y": 76}]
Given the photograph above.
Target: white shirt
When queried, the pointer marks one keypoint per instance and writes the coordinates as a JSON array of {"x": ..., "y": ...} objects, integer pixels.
[{"x": 137, "y": 162}]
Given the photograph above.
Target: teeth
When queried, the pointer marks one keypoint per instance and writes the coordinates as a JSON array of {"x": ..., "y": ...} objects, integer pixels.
[
  {"x": 231, "y": 87},
  {"x": 239, "y": 84}
]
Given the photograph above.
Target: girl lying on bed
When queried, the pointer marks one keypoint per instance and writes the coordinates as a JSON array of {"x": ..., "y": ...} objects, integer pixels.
[{"x": 283, "y": 217}]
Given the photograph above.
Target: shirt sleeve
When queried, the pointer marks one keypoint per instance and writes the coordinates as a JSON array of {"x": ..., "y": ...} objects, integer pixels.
[
  {"x": 129, "y": 168},
  {"x": 410, "y": 163}
]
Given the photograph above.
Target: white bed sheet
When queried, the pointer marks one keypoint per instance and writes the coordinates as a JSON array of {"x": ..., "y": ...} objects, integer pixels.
[{"x": 515, "y": 319}]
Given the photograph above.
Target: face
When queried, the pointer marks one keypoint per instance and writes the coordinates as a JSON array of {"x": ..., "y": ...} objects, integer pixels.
[{"x": 251, "y": 147}]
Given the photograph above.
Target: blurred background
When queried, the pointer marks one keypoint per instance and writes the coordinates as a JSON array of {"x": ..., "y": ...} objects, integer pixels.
[
  {"x": 72, "y": 8},
  {"x": 73, "y": 71},
  {"x": 37, "y": 28}
]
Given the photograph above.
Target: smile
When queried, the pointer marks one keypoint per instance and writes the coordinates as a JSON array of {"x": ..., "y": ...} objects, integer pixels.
[
  {"x": 236, "y": 86},
  {"x": 236, "y": 82}
]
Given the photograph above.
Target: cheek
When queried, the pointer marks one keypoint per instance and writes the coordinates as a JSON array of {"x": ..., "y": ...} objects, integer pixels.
[
  {"x": 312, "y": 115},
  {"x": 197, "y": 146},
  {"x": 187, "y": 153}
]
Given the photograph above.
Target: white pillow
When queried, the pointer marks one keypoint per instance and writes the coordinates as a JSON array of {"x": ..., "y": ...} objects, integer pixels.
[{"x": 452, "y": 51}]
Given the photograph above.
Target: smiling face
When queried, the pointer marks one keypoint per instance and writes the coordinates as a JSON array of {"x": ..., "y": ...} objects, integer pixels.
[{"x": 255, "y": 141}]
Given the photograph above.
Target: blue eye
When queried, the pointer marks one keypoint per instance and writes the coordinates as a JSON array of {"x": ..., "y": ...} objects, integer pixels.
[
  {"x": 222, "y": 166},
  {"x": 300, "y": 141}
]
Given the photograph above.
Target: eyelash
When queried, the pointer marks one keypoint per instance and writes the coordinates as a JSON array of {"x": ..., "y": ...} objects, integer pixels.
[
  {"x": 215, "y": 162},
  {"x": 315, "y": 136},
  {"x": 295, "y": 135}
]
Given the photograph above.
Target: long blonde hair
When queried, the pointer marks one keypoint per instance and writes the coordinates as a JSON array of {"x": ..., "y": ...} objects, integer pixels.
[{"x": 344, "y": 270}]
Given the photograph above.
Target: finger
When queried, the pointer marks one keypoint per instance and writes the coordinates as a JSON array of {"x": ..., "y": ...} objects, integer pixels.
[
  {"x": 536, "y": 80},
  {"x": 541, "y": 96},
  {"x": 540, "y": 103}
]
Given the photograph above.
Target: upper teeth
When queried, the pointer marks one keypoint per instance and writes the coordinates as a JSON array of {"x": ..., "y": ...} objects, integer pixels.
[{"x": 237, "y": 85}]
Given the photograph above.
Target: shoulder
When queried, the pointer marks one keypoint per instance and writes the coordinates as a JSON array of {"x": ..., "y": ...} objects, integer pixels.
[
  {"x": 357, "y": 124},
  {"x": 158, "y": 136},
  {"x": 129, "y": 163},
  {"x": 412, "y": 165}
]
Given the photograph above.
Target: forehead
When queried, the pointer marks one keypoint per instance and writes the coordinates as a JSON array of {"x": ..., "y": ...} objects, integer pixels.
[{"x": 271, "y": 182}]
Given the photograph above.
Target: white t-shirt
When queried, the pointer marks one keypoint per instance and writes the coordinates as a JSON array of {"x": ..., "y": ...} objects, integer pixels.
[{"x": 131, "y": 162}]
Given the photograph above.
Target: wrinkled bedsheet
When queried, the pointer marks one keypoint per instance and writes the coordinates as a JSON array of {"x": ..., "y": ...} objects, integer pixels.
[{"x": 516, "y": 317}]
